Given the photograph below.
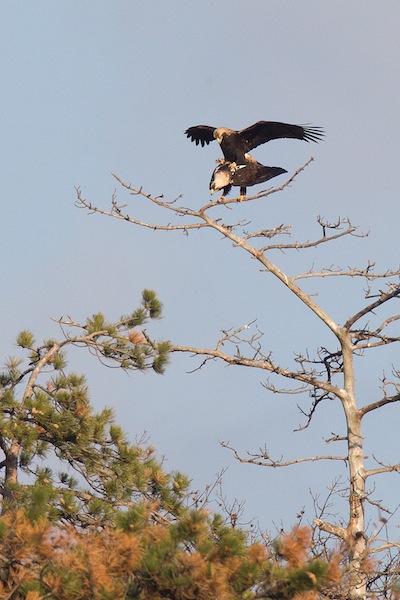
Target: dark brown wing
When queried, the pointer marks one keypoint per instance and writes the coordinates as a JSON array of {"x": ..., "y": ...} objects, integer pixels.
[
  {"x": 264, "y": 131},
  {"x": 254, "y": 173},
  {"x": 201, "y": 134}
]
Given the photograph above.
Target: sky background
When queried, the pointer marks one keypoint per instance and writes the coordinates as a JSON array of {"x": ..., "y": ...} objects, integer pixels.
[{"x": 91, "y": 88}]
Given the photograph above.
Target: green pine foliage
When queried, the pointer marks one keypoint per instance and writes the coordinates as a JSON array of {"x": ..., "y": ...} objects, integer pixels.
[
  {"x": 152, "y": 304},
  {"x": 25, "y": 339},
  {"x": 45, "y": 413}
]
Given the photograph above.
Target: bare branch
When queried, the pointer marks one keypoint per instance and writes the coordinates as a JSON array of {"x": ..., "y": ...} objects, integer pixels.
[
  {"x": 270, "y": 233},
  {"x": 351, "y": 272},
  {"x": 263, "y": 459},
  {"x": 387, "y": 322},
  {"x": 379, "y": 403},
  {"x": 200, "y": 499},
  {"x": 377, "y": 504},
  {"x": 382, "y": 469},
  {"x": 117, "y": 210},
  {"x": 387, "y": 546},
  {"x": 393, "y": 292},
  {"x": 290, "y": 392},
  {"x": 116, "y": 213},
  {"x": 335, "y": 530},
  {"x": 383, "y": 342},
  {"x": 318, "y": 397},
  {"x": 325, "y": 225},
  {"x": 350, "y": 230},
  {"x": 264, "y": 363},
  {"x": 335, "y": 438}
]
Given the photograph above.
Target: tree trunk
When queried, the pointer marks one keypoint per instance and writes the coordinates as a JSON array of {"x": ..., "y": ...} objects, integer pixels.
[{"x": 355, "y": 534}]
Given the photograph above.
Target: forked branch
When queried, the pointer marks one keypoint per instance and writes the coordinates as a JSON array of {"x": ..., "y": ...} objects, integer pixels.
[
  {"x": 263, "y": 458},
  {"x": 261, "y": 362},
  {"x": 392, "y": 292}
]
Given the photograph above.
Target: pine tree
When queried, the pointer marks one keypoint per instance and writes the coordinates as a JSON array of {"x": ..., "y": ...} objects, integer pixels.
[
  {"x": 45, "y": 411},
  {"x": 197, "y": 557}
]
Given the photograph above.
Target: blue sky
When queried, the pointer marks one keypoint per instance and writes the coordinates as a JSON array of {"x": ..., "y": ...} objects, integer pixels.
[{"x": 88, "y": 89}]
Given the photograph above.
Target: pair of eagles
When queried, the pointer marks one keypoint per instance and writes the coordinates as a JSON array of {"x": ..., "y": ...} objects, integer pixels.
[{"x": 238, "y": 167}]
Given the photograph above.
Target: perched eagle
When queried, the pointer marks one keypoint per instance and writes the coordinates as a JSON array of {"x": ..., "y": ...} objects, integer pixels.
[
  {"x": 227, "y": 174},
  {"x": 236, "y": 144}
]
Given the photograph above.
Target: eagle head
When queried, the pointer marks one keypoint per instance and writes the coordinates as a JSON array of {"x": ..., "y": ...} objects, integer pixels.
[
  {"x": 220, "y": 132},
  {"x": 221, "y": 177}
]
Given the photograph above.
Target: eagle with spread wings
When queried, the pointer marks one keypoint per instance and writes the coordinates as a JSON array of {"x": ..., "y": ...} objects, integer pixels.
[{"x": 236, "y": 145}]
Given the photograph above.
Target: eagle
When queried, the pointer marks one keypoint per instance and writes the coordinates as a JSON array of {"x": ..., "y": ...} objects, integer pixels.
[
  {"x": 227, "y": 174},
  {"x": 235, "y": 145}
]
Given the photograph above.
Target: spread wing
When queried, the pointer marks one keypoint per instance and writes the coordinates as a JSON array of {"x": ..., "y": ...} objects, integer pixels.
[
  {"x": 255, "y": 173},
  {"x": 201, "y": 134},
  {"x": 264, "y": 131}
]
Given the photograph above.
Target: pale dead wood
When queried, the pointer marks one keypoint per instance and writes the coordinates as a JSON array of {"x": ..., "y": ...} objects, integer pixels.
[{"x": 263, "y": 458}]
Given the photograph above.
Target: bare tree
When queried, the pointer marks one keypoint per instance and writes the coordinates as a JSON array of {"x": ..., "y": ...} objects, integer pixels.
[{"x": 328, "y": 375}]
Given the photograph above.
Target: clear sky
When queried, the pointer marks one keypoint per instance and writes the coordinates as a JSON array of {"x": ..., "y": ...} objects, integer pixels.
[{"x": 90, "y": 88}]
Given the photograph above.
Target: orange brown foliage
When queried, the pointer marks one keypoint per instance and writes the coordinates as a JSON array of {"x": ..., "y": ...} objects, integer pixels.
[
  {"x": 294, "y": 546},
  {"x": 137, "y": 337}
]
